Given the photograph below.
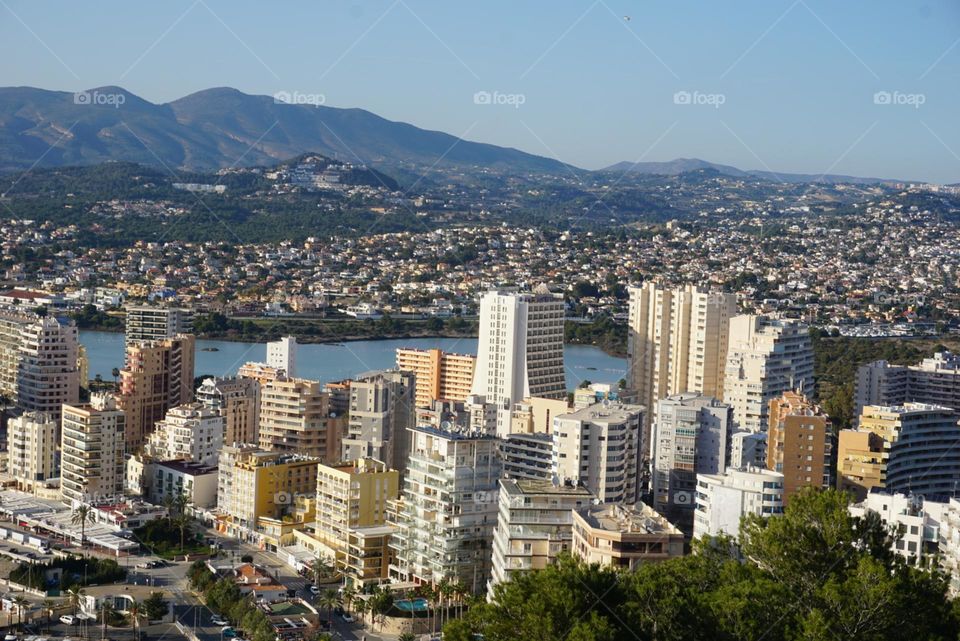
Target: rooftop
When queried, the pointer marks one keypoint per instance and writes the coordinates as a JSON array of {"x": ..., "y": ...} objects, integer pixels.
[
  {"x": 520, "y": 487},
  {"x": 635, "y": 519}
]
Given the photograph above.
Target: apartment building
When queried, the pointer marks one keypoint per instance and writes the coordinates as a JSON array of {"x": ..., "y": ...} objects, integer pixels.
[
  {"x": 624, "y": 536},
  {"x": 689, "y": 437},
  {"x": 909, "y": 448},
  {"x": 598, "y": 447},
  {"x": 192, "y": 431},
  {"x": 157, "y": 375},
  {"x": 677, "y": 342},
  {"x": 38, "y": 361},
  {"x": 160, "y": 481},
  {"x": 527, "y": 456},
  {"x": 295, "y": 418},
  {"x": 155, "y": 323},
  {"x": 257, "y": 488},
  {"x": 766, "y": 357},
  {"x": 352, "y": 497},
  {"x": 282, "y": 354},
  {"x": 33, "y": 449},
  {"x": 534, "y": 525},
  {"x": 440, "y": 375},
  {"x": 237, "y": 400},
  {"x": 520, "y": 349},
  {"x": 448, "y": 509},
  {"x": 382, "y": 408},
  {"x": 801, "y": 444},
  {"x": 723, "y": 499},
  {"x": 935, "y": 381},
  {"x": 91, "y": 451}
]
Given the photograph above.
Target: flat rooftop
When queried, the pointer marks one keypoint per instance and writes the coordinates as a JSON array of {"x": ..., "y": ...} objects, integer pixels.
[
  {"x": 604, "y": 412},
  {"x": 627, "y": 519},
  {"x": 520, "y": 487}
]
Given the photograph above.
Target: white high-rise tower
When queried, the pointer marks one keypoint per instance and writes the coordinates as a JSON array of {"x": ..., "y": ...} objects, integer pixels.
[{"x": 520, "y": 351}]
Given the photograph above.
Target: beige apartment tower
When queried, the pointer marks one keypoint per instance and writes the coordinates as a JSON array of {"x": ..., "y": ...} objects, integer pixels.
[
  {"x": 295, "y": 419},
  {"x": 441, "y": 376},
  {"x": 677, "y": 342},
  {"x": 92, "y": 451},
  {"x": 800, "y": 444},
  {"x": 158, "y": 375},
  {"x": 32, "y": 446}
]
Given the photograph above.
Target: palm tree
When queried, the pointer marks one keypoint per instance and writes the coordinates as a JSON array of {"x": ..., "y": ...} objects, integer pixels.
[
  {"x": 116, "y": 374},
  {"x": 407, "y": 636},
  {"x": 82, "y": 515},
  {"x": 106, "y": 611},
  {"x": 135, "y": 610},
  {"x": 460, "y": 589},
  {"x": 48, "y": 605},
  {"x": 21, "y": 602},
  {"x": 445, "y": 588},
  {"x": 329, "y": 600},
  {"x": 348, "y": 595},
  {"x": 361, "y": 607},
  {"x": 322, "y": 568},
  {"x": 74, "y": 599}
]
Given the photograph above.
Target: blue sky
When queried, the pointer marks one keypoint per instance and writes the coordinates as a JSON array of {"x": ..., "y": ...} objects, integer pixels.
[{"x": 785, "y": 85}]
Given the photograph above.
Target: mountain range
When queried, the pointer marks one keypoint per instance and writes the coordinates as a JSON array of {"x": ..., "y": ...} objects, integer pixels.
[{"x": 223, "y": 127}]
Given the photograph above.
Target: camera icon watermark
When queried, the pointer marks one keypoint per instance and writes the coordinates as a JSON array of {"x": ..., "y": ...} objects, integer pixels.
[
  {"x": 699, "y": 98},
  {"x": 899, "y": 98},
  {"x": 485, "y": 497},
  {"x": 283, "y": 498},
  {"x": 298, "y": 98},
  {"x": 100, "y": 99},
  {"x": 894, "y": 298},
  {"x": 497, "y": 98},
  {"x": 683, "y": 498}
]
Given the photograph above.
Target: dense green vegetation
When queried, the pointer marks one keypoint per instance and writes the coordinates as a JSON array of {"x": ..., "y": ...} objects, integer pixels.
[
  {"x": 814, "y": 574},
  {"x": 89, "y": 317},
  {"x": 168, "y": 537},
  {"x": 319, "y": 330},
  {"x": 836, "y": 360},
  {"x": 605, "y": 333},
  {"x": 73, "y": 572}
]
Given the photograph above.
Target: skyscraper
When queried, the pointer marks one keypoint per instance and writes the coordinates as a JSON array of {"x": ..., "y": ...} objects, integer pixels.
[
  {"x": 282, "y": 354},
  {"x": 766, "y": 357},
  {"x": 598, "y": 447},
  {"x": 801, "y": 444},
  {"x": 677, "y": 342},
  {"x": 38, "y": 361},
  {"x": 441, "y": 376},
  {"x": 520, "y": 349},
  {"x": 153, "y": 322},
  {"x": 32, "y": 446},
  {"x": 448, "y": 509},
  {"x": 92, "y": 446},
  {"x": 382, "y": 407},
  {"x": 934, "y": 380},
  {"x": 158, "y": 375},
  {"x": 689, "y": 437},
  {"x": 295, "y": 419},
  {"x": 910, "y": 448},
  {"x": 238, "y": 402}
]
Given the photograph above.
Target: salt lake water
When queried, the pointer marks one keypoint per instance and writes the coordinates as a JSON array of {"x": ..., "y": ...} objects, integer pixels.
[{"x": 337, "y": 361}]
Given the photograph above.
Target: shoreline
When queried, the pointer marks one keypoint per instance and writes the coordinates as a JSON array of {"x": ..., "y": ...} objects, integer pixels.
[{"x": 350, "y": 338}]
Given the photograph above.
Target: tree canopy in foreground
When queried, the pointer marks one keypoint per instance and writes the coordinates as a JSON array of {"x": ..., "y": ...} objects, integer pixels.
[{"x": 814, "y": 574}]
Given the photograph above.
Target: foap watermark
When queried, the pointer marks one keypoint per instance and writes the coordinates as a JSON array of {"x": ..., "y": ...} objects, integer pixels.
[
  {"x": 486, "y": 497},
  {"x": 99, "y": 98},
  {"x": 899, "y": 98},
  {"x": 896, "y": 298},
  {"x": 699, "y": 98},
  {"x": 299, "y": 98},
  {"x": 500, "y": 99}
]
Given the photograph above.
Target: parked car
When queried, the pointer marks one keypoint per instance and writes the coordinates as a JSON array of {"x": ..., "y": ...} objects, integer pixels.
[
  {"x": 219, "y": 620},
  {"x": 229, "y": 633},
  {"x": 144, "y": 565},
  {"x": 347, "y": 617},
  {"x": 314, "y": 589},
  {"x": 67, "y": 619}
]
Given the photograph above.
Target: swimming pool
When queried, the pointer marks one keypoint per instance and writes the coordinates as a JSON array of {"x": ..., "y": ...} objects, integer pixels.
[{"x": 411, "y": 605}]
